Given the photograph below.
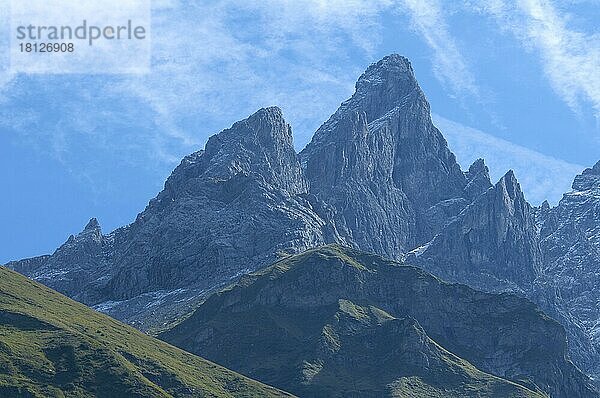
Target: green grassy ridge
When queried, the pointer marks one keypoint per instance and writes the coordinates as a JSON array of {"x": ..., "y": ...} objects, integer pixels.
[
  {"x": 51, "y": 346},
  {"x": 329, "y": 349},
  {"x": 446, "y": 375},
  {"x": 290, "y": 355}
]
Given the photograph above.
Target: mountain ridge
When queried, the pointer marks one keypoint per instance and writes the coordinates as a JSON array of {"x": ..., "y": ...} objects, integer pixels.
[
  {"x": 287, "y": 304},
  {"x": 378, "y": 176}
]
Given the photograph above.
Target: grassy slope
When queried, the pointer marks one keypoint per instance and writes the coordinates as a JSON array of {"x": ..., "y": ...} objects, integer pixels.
[
  {"x": 340, "y": 350},
  {"x": 51, "y": 346}
]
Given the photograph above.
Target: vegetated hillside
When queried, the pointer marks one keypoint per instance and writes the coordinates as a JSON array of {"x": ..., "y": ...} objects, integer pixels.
[
  {"x": 335, "y": 322},
  {"x": 51, "y": 346}
]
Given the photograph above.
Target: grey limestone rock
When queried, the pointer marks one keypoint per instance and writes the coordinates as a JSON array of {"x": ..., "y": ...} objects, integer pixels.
[
  {"x": 570, "y": 240},
  {"x": 377, "y": 176},
  {"x": 382, "y": 164}
]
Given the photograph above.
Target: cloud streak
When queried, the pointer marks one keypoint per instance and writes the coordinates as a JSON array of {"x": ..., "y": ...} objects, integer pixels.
[
  {"x": 570, "y": 58},
  {"x": 542, "y": 177},
  {"x": 5, "y": 75},
  {"x": 449, "y": 64},
  {"x": 206, "y": 65}
]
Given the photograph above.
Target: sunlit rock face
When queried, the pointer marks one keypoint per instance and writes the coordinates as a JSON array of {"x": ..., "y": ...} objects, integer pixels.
[
  {"x": 377, "y": 176},
  {"x": 570, "y": 240}
]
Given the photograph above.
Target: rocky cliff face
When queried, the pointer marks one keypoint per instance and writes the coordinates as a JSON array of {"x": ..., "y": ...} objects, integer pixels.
[
  {"x": 377, "y": 176},
  {"x": 381, "y": 163},
  {"x": 494, "y": 244},
  {"x": 570, "y": 241},
  {"x": 309, "y": 319},
  {"x": 491, "y": 244},
  {"x": 224, "y": 211},
  {"x": 81, "y": 267}
]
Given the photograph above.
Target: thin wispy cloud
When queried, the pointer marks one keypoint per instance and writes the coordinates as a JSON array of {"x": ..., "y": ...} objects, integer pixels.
[
  {"x": 215, "y": 63},
  {"x": 5, "y": 75},
  {"x": 205, "y": 64},
  {"x": 449, "y": 64},
  {"x": 570, "y": 58},
  {"x": 542, "y": 177}
]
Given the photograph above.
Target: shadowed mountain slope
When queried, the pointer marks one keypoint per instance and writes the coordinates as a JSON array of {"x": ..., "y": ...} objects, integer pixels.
[{"x": 337, "y": 322}]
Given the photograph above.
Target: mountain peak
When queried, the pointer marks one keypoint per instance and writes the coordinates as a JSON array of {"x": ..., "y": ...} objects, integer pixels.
[
  {"x": 382, "y": 150},
  {"x": 265, "y": 126},
  {"x": 593, "y": 170},
  {"x": 92, "y": 225},
  {"x": 478, "y": 167},
  {"x": 383, "y": 86},
  {"x": 511, "y": 185},
  {"x": 478, "y": 179},
  {"x": 270, "y": 112},
  {"x": 588, "y": 179},
  {"x": 545, "y": 206},
  {"x": 509, "y": 178},
  {"x": 390, "y": 68},
  {"x": 262, "y": 145},
  {"x": 341, "y": 311}
]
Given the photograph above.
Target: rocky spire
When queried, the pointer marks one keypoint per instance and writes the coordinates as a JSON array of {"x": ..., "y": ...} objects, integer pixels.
[
  {"x": 91, "y": 231},
  {"x": 588, "y": 179},
  {"x": 478, "y": 179},
  {"x": 491, "y": 245},
  {"x": 570, "y": 240},
  {"x": 380, "y": 160},
  {"x": 384, "y": 132},
  {"x": 92, "y": 225},
  {"x": 261, "y": 145},
  {"x": 545, "y": 206},
  {"x": 383, "y": 86}
]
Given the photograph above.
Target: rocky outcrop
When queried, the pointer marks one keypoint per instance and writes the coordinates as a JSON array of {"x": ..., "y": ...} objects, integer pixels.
[
  {"x": 29, "y": 265},
  {"x": 333, "y": 312},
  {"x": 570, "y": 241},
  {"x": 377, "y": 175},
  {"x": 478, "y": 179},
  {"x": 80, "y": 267},
  {"x": 491, "y": 245},
  {"x": 224, "y": 211},
  {"x": 494, "y": 245}
]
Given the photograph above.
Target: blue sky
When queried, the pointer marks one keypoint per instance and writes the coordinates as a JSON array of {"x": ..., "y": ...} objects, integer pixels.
[{"x": 515, "y": 82}]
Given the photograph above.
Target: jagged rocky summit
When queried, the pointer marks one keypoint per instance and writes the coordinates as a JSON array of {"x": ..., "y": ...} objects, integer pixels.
[
  {"x": 570, "y": 242},
  {"x": 377, "y": 176},
  {"x": 224, "y": 211},
  {"x": 234, "y": 206}
]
